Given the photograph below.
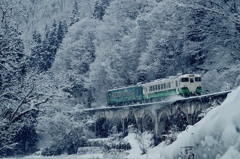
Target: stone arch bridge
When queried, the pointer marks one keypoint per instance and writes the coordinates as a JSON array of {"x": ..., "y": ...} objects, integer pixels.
[{"x": 157, "y": 117}]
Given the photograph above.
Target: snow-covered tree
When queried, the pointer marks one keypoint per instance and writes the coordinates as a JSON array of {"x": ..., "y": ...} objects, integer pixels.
[
  {"x": 75, "y": 13},
  {"x": 100, "y": 7},
  {"x": 75, "y": 55},
  {"x": 43, "y": 50},
  {"x": 117, "y": 57},
  {"x": 21, "y": 97}
]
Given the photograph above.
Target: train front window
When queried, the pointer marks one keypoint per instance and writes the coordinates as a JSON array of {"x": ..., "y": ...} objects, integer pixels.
[
  {"x": 191, "y": 80},
  {"x": 198, "y": 79},
  {"x": 185, "y": 79}
]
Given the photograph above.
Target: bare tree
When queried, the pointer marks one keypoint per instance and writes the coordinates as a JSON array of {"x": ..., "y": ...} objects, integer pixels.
[{"x": 20, "y": 99}]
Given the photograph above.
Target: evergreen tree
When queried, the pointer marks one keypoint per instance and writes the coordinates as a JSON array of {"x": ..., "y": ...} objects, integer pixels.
[
  {"x": 100, "y": 7},
  {"x": 52, "y": 40},
  {"x": 65, "y": 27},
  {"x": 32, "y": 63},
  {"x": 61, "y": 31},
  {"x": 75, "y": 13},
  {"x": 43, "y": 51}
]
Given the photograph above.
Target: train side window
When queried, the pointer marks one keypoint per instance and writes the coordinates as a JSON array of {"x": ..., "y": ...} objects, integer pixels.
[
  {"x": 150, "y": 89},
  {"x": 176, "y": 83},
  {"x": 164, "y": 85},
  {"x": 169, "y": 85},
  {"x": 197, "y": 79},
  {"x": 185, "y": 79},
  {"x": 156, "y": 88},
  {"x": 153, "y": 88},
  {"x": 159, "y": 87}
]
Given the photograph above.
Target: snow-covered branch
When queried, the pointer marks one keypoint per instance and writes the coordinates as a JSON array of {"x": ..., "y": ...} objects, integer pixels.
[
  {"x": 21, "y": 103},
  {"x": 8, "y": 146},
  {"x": 16, "y": 115}
]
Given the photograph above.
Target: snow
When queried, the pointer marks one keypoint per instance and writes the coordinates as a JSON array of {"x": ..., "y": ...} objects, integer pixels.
[
  {"x": 135, "y": 151},
  {"x": 216, "y": 136}
]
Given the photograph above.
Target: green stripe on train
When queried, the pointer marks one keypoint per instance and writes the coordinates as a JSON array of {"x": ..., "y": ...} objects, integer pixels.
[
  {"x": 125, "y": 99},
  {"x": 199, "y": 90},
  {"x": 183, "y": 90},
  {"x": 161, "y": 94}
]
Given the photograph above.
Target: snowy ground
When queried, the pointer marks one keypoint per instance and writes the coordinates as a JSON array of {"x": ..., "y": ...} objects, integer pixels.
[{"x": 216, "y": 136}]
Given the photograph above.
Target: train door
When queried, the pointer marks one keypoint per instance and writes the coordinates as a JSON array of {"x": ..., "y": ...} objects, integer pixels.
[
  {"x": 192, "y": 87},
  {"x": 177, "y": 87}
]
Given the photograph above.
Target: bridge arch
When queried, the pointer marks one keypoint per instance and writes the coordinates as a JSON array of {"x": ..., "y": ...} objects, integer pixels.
[
  {"x": 163, "y": 124},
  {"x": 129, "y": 120},
  {"x": 102, "y": 127},
  {"x": 179, "y": 121},
  {"x": 115, "y": 125},
  {"x": 147, "y": 121}
]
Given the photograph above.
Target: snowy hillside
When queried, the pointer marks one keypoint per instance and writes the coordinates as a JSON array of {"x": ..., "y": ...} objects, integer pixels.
[
  {"x": 216, "y": 136},
  {"x": 58, "y": 57}
]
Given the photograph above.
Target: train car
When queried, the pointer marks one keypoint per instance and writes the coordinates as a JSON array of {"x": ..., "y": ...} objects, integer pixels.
[
  {"x": 184, "y": 85},
  {"x": 126, "y": 95}
]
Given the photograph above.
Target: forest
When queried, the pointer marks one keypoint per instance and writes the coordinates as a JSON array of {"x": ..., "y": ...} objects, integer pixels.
[{"x": 58, "y": 57}]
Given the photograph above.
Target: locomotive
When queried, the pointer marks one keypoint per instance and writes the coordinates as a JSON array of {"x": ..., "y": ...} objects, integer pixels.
[{"x": 183, "y": 84}]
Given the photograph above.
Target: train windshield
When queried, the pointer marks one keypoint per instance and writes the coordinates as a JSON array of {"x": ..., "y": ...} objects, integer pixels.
[
  {"x": 197, "y": 79},
  {"x": 185, "y": 79}
]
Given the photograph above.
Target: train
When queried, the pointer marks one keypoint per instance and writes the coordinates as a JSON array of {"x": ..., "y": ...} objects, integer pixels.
[{"x": 180, "y": 85}]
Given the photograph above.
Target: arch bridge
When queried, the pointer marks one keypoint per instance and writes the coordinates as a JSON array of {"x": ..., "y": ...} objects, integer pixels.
[{"x": 159, "y": 117}]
